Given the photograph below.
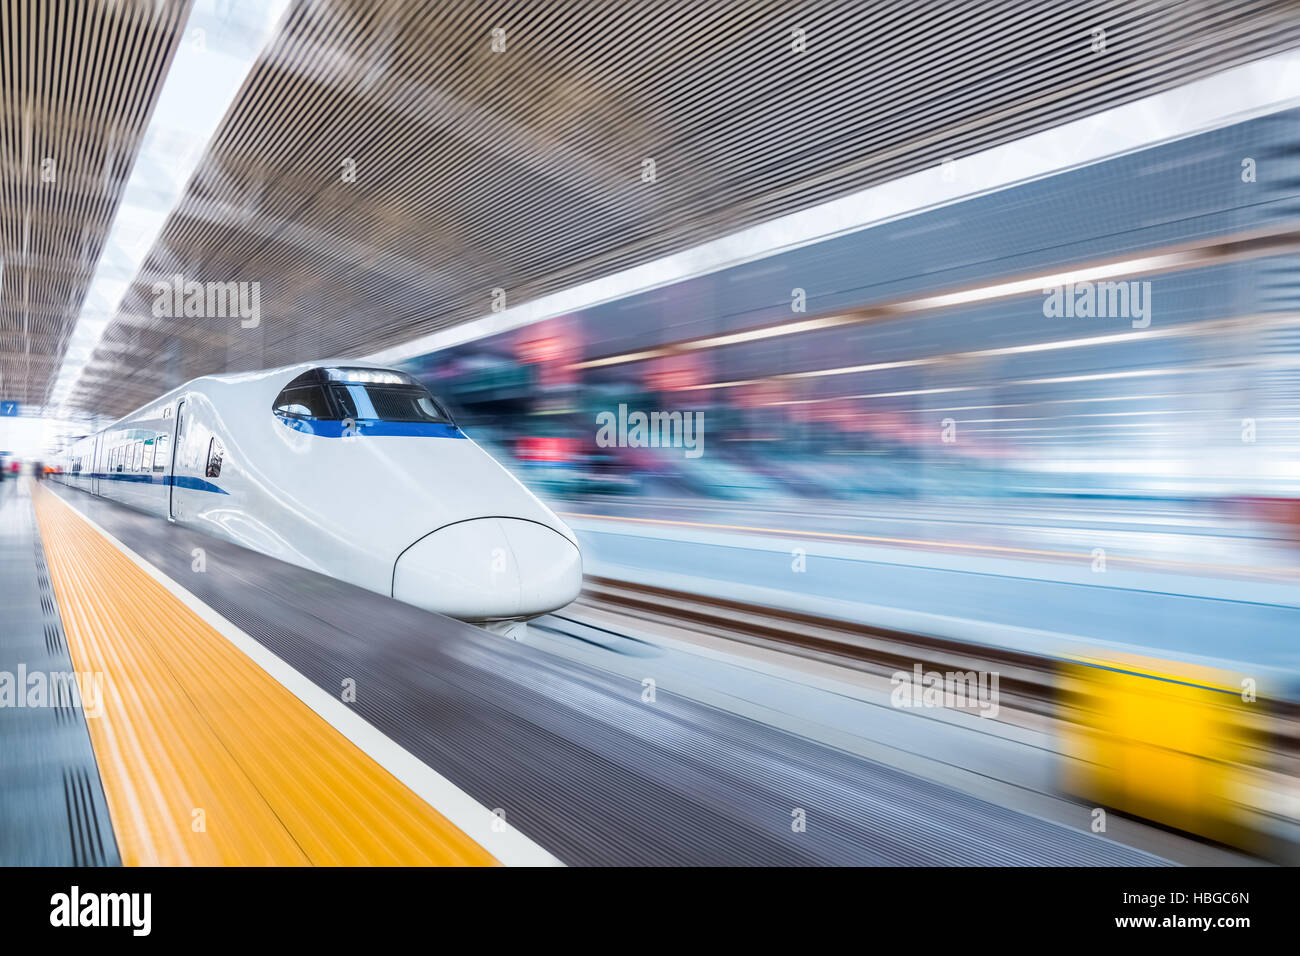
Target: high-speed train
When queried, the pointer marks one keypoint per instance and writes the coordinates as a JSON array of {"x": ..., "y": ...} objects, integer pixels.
[{"x": 352, "y": 470}]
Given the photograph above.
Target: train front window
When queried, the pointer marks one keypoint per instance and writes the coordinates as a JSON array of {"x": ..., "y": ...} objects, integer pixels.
[
  {"x": 359, "y": 395},
  {"x": 305, "y": 401},
  {"x": 388, "y": 403}
]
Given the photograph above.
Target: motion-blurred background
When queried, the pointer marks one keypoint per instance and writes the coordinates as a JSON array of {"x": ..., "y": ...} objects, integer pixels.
[{"x": 832, "y": 379}]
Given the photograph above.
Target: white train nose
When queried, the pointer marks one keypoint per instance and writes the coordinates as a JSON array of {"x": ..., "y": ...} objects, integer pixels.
[{"x": 490, "y": 569}]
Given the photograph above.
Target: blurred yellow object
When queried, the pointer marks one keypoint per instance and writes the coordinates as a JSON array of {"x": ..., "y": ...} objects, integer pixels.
[{"x": 1165, "y": 741}]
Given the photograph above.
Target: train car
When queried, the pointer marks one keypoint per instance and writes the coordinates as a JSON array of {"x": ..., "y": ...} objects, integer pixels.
[{"x": 348, "y": 469}]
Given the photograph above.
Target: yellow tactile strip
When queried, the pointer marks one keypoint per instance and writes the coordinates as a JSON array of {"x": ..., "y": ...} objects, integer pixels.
[{"x": 205, "y": 758}]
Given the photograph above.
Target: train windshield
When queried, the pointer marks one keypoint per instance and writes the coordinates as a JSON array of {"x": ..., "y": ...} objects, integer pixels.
[
  {"x": 388, "y": 403},
  {"x": 360, "y": 394}
]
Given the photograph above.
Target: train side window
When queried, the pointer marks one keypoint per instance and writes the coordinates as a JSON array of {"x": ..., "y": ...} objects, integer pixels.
[
  {"x": 160, "y": 456},
  {"x": 215, "y": 453},
  {"x": 303, "y": 401}
]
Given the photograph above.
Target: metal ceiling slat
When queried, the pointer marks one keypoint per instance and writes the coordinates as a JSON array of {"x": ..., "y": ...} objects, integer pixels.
[
  {"x": 521, "y": 170},
  {"x": 76, "y": 78}
]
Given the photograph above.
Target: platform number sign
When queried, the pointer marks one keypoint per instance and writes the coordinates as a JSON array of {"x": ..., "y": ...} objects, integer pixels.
[{"x": 9, "y": 409}]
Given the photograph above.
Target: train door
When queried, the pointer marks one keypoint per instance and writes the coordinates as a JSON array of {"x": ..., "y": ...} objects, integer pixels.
[
  {"x": 171, "y": 467},
  {"x": 95, "y": 465}
]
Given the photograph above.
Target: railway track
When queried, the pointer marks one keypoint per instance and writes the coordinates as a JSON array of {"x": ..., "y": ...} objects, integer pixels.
[
  {"x": 1035, "y": 691},
  {"x": 1028, "y": 682}
]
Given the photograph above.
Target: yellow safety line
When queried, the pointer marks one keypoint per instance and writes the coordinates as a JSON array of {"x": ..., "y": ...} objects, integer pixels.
[
  {"x": 922, "y": 543},
  {"x": 205, "y": 758}
]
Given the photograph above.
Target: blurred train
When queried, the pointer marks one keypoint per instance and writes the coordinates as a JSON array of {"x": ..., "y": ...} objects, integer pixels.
[{"x": 354, "y": 471}]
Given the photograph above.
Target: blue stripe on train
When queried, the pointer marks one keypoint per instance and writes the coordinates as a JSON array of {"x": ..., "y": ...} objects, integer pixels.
[
  {"x": 195, "y": 484},
  {"x": 367, "y": 428},
  {"x": 179, "y": 481}
]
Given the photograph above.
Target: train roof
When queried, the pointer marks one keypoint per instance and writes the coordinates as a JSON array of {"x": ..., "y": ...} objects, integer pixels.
[{"x": 236, "y": 378}]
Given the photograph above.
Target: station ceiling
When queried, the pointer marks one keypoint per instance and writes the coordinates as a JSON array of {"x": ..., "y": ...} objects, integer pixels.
[
  {"x": 78, "y": 82},
  {"x": 521, "y": 170}
]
